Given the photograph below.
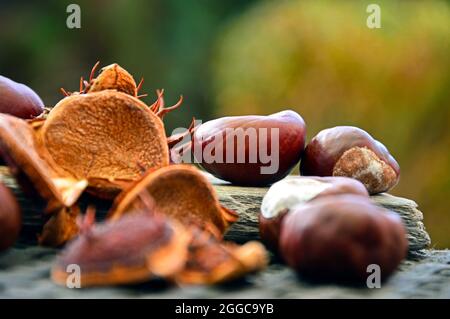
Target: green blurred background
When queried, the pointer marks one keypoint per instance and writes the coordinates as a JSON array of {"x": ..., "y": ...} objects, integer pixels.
[{"x": 253, "y": 56}]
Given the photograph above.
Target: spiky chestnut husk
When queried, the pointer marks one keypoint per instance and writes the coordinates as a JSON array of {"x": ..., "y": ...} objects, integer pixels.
[
  {"x": 212, "y": 262},
  {"x": 114, "y": 77},
  {"x": 36, "y": 173}
]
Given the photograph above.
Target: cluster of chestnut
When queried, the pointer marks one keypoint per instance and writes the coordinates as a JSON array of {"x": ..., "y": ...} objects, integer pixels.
[
  {"x": 327, "y": 228},
  {"x": 340, "y": 151},
  {"x": 324, "y": 226}
]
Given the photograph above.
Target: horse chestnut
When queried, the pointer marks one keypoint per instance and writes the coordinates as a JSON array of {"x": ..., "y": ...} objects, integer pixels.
[
  {"x": 338, "y": 237},
  {"x": 19, "y": 100},
  {"x": 250, "y": 150},
  {"x": 349, "y": 151},
  {"x": 284, "y": 195},
  {"x": 10, "y": 218}
]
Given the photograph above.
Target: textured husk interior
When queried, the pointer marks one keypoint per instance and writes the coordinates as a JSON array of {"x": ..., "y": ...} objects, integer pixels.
[
  {"x": 107, "y": 137},
  {"x": 25, "y": 159},
  {"x": 179, "y": 191}
]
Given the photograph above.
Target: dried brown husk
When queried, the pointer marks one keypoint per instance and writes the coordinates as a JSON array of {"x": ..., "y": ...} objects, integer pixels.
[
  {"x": 181, "y": 192},
  {"x": 213, "y": 262},
  {"x": 135, "y": 249},
  {"x": 38, "y": 175},
  {"x": 34, "y": 171},
  {"x": 109, "y": 138}
]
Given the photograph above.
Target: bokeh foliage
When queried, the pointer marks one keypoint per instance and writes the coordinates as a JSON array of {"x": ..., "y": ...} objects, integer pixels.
[
  {"x": 168, "y": 42},
  {"x": 320, "y": 59}
]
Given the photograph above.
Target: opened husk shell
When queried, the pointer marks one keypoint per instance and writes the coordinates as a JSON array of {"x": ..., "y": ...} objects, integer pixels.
[
  {"x": 107, "y": 137},
  {"x": 179, "y": 191},
  {"x": 134, "y": 249}
]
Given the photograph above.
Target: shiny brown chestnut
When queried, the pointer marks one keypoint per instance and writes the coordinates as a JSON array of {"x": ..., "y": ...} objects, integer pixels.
[
  {"x": 250, "y": 150},
  {"x": 350, "y": 151},
  {"x": 10, "y": 218},
  {"x": 337, "y": 237},
  {"x": 19, "y": 100},
  {"x": 288, "y": 193}
]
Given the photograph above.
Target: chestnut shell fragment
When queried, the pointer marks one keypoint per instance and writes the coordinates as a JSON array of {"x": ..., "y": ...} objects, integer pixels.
[
  {"x": 350, "y": 151},
  {"x": 106, "y": 137},
  {"x": 181, "y": 192},
  {"x": 216, "y": 134},
  {"x": 212, "y": 262},
  {"x": 337, "y": 237},
  {"x": 134, "y": 249},
  {"x": 285, "y": 195},
  {"x": 34, "y": 172},
  {"x": 114, "y": 77}
]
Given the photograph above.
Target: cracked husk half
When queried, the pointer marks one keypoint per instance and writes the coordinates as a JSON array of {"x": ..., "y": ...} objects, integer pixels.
[
  {"x": 37, "y": 175},
  {"x": 19, "y": 148},
  {"x": 181, "y": 192},
  {"x": 109, "y": 138}
]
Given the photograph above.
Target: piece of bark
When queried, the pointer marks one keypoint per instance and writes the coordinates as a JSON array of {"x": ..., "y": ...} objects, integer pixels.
[{"x": 245, "y": 200}]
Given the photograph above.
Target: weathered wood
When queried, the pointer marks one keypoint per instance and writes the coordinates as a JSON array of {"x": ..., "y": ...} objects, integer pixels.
[
  {"x": 245, "y": 200},
  {"x": 24, "y": 273}
]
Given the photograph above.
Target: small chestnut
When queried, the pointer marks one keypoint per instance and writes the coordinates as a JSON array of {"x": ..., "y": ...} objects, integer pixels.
[
  {"x": 19, "y": 100},
  {"x": 350, "y": 151},
  {"x": 10, "y": 218},
  {"x": 250, "y": 150},
  {"x": 337, "y": 237},
  {"x": 286, "y": 194}
]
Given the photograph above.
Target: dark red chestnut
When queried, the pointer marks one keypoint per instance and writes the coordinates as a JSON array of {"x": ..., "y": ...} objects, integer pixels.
[
  {"x": 349, "y": 151},
  {"x": 338, "y": 237},
  {"x": 10, "y": 218},
  {"x": 250, "y": 150},
  {"x": 19, "y": 100},
  {"x": 289, "y": 193}
]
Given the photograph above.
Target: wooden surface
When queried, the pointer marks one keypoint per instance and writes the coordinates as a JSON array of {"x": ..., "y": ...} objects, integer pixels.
[{"x": 24, "y": 270}]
